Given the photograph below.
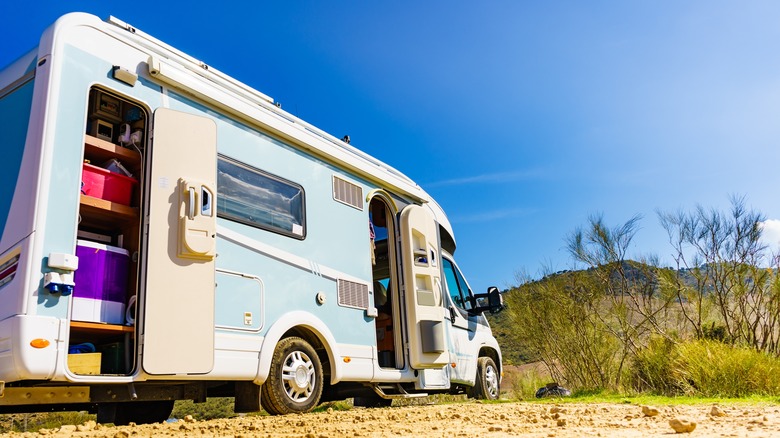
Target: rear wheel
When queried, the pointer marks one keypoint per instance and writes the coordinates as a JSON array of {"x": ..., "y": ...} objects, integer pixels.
[
  {"x": 487, "y": 385},
  {"x": 294, "y": 383}
]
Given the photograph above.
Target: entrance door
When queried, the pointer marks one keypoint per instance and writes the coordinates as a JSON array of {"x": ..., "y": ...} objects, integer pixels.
[
  {"x": 178, "y": 324},
  {"x": 422, "y": 288}
]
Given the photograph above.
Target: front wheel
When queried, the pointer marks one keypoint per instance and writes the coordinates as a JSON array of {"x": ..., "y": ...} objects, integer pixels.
[
  {"x": 486, "y": 386},
  {"x": 295, "y": 381}
]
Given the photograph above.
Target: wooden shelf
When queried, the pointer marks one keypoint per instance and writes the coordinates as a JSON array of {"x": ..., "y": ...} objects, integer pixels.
[
  {"x": 99, "y": 327},
  {"x": 106, "y": 210},
  {"x": 100, "y": 151}
]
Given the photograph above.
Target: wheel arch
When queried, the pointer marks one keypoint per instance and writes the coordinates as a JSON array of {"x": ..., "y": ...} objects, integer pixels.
[
  {"x": 494, "y": 354},
  {"x": 307, "y": 327}
]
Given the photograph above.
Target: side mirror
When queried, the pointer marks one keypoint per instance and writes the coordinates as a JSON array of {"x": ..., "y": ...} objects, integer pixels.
[
  {"x": 494, "y": 304},
  {"x": 495, "y": 299}
]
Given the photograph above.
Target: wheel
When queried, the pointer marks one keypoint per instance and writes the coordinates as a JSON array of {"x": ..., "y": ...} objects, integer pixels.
[
  {"x": 294, "y": 383},
  {"x": 372, "y": 402},
  {"x": 486, "y": 386},
  {"x": 144, "y": 412}
]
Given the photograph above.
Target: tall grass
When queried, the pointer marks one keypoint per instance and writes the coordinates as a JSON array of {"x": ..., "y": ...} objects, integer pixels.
[
  {"x": 522, "y": 383},
  {"x": 705, "y": 368},
  {"x": 37, "y": 421}
]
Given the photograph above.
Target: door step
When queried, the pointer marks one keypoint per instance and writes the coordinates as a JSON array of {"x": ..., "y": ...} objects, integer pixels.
[{"x": 394, "y": 390}]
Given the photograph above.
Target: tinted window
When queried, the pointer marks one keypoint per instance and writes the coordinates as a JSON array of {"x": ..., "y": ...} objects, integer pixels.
[
  {"x": 456, "y": 285},
  {"x": 256, "y": 198}
]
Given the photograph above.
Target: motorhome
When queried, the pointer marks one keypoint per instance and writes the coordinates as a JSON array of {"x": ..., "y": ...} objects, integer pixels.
[{"x": 169, "y": 233}]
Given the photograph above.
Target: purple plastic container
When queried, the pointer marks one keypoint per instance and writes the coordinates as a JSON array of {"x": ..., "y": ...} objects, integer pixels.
[{"x": 101, "y": 283}]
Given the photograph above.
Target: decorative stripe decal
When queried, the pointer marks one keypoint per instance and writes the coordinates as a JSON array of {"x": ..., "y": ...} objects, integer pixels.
[
  {"x": 8, "y": 270},
  {"x": 285, "y": 257}
]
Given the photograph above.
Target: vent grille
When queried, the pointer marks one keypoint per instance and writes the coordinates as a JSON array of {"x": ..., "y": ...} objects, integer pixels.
[
  {"x": 353, "y": 294},
  {"x": 347, "y": 193}
]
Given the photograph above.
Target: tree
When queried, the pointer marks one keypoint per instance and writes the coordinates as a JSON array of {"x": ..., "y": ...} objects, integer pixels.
[{"x": 733, "y": 287}]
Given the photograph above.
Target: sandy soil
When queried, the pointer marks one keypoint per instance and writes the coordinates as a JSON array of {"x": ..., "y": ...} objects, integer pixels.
[{"x": 467, "y": 419}]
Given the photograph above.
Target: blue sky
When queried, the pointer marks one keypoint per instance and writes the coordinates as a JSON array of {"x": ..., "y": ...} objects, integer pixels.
[{"x": 521, "y": 118}]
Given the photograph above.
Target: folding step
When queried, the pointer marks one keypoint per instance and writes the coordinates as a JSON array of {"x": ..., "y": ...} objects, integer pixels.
[{"x": 394, "y": 390}]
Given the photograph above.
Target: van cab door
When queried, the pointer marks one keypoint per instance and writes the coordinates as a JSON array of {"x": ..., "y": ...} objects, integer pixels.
[
  {"x": 463, "y": 324},
  {"x": 178, "y": 304},
  {"x": 422, "y": 288}
]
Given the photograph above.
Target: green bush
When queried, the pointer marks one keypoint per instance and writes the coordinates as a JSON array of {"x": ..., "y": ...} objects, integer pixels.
[
  {"x": 653, "y": 368},
  {"x": 705, "y": 368},
  {"x": 213, "y": 407},
  {"x": 555, "y": 321},
  {"x": 45, "y": 420},
  {"x": 522, "y": 384},
  {"x": 714, "y": 369}
]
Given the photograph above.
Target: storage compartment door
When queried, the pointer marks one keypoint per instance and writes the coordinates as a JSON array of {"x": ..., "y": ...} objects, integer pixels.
[
  {"x": 422, "y": 288},
  {"x": 178, "y": 307}
]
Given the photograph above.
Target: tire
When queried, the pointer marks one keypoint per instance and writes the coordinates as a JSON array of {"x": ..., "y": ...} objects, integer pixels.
[
  {"x": 144, "y": 412},
  {"x": 372, "y": 402},
  {"x": 294, "y": 382},
  {"x": 487, "y": 385}
]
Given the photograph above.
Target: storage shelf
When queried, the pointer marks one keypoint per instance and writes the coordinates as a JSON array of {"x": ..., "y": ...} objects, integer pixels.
[
  {"x": 98, "y": 327},
  {"x": 100, "y": 150},
  {"x": 106, "y": 210}
]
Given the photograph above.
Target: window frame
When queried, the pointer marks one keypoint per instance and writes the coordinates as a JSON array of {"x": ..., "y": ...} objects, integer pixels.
[
  {"x": 458, "y": 276},
  {"x": 262, "y": 225}
]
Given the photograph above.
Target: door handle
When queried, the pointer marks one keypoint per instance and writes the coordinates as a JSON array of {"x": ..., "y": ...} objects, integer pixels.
[
  {"x": 452, "y": 315},
  {"x": 191, "y": 205}
]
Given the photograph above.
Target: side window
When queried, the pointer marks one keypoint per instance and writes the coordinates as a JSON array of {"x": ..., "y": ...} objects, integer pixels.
[
  {"x": 259, "y": 199},
  {"x": 456, "y": 285}
]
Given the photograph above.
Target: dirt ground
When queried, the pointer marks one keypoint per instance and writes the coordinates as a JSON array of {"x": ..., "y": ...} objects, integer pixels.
[{"x": 467, "y": 419}]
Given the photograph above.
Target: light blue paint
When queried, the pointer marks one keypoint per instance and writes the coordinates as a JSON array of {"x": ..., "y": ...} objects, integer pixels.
[
  {"x": 332, "y": 237},
  {"x": 235, "y": 296},
  {"x": 15, "y": 114},
  {"x": 80, "y": 70},
  {"x": 289, "y": 288}
]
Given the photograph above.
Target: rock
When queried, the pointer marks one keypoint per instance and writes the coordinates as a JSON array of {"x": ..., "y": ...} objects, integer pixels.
[
  {"x": 682, "y": 426},
  {"x": 650, "y": 411},
  {"x": 561, "y": 422},
  {"x": 67, "y": 428},
  {"x": 717, "y": 412},
  {"x": 86, "y": 427},
  {"x": 189, "y": 419}
]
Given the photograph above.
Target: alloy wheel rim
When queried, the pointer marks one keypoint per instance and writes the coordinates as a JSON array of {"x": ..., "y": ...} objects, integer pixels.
[
  {"x": 298, "y": 377},
  {"x": 491, "y": 378}
]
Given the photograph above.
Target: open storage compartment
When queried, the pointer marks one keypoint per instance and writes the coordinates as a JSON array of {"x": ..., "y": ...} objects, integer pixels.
[{"x": 102, "y": 330}]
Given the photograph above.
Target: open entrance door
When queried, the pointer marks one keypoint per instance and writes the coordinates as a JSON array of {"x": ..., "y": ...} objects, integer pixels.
[
  {"x": 422, "y": 288},
  {"x": 178, "y": 306}
]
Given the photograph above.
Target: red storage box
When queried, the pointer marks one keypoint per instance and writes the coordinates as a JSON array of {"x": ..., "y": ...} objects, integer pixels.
[{"x": 100, "y": 183}]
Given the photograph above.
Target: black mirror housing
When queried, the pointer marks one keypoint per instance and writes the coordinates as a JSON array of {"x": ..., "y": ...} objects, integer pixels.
[{"x": 495, "y": 301}]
